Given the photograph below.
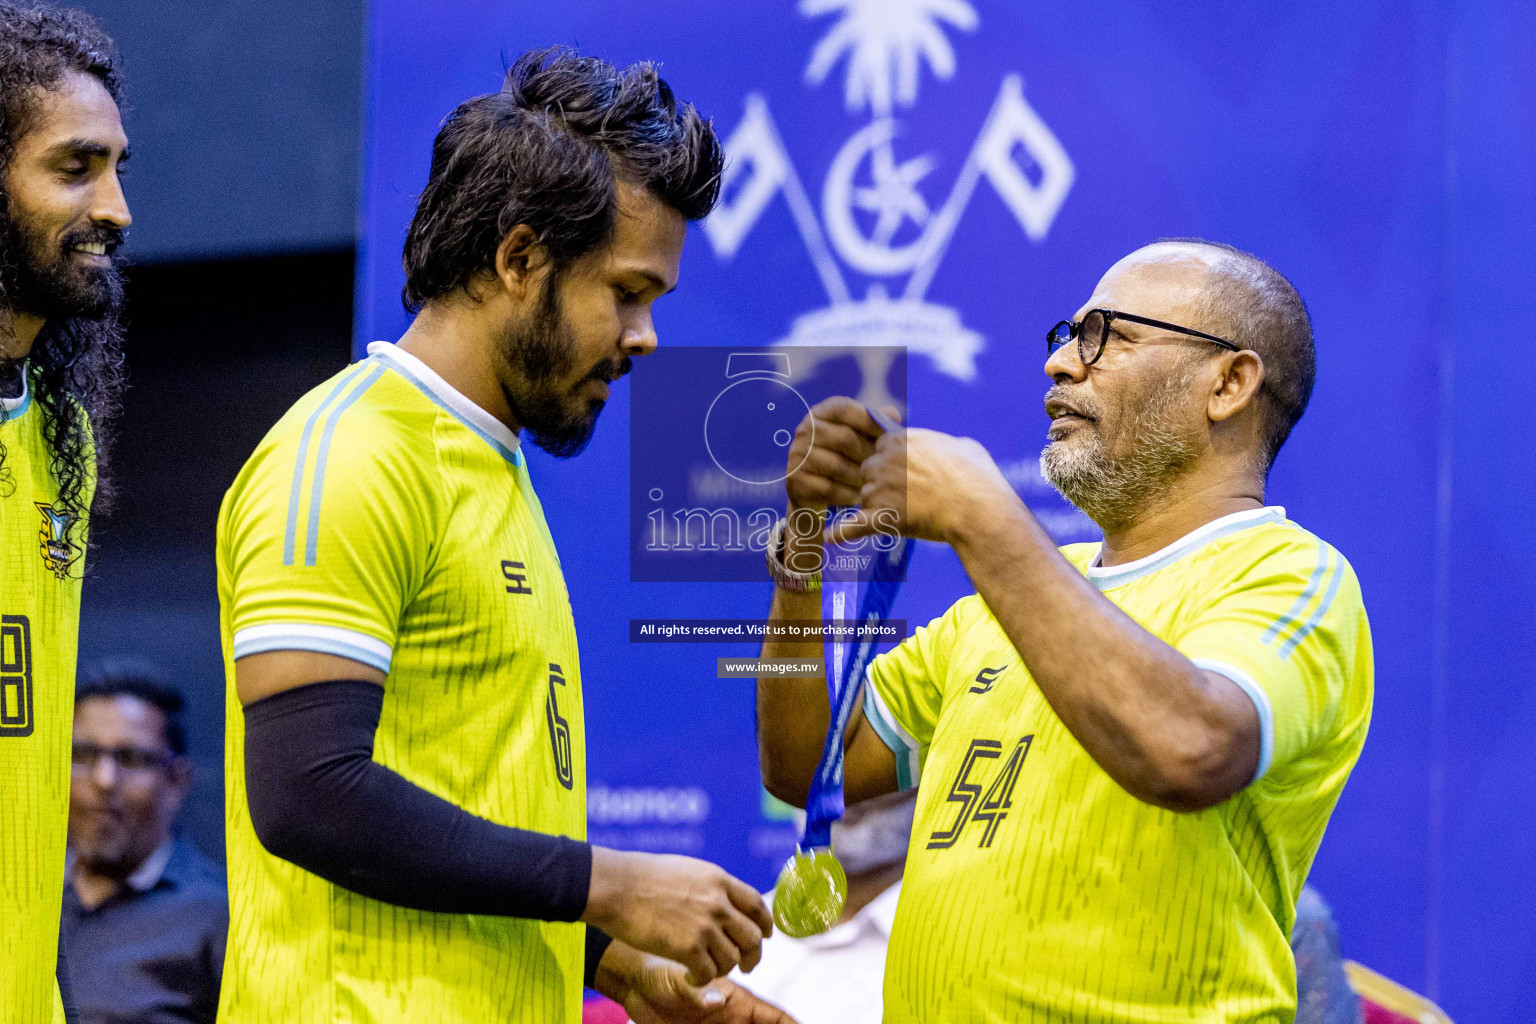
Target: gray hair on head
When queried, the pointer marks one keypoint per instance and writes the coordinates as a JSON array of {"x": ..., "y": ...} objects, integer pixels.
[{"x": 1254, "y": 306}]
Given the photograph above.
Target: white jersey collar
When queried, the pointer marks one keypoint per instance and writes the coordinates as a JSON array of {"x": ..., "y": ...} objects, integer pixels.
[
  {"x": 1106, "y": 578},
  {"x": 493, "y": 431}
]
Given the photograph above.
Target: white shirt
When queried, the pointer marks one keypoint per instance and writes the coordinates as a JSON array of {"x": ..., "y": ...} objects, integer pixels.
[{"x": 832, "y": 978}]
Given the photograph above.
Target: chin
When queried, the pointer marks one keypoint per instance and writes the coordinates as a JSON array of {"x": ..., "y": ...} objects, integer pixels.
[
  {"x": 1061, "y": 464},
  {"x": 1055, "y": 454},
  {"x": 101, "y": 857}
]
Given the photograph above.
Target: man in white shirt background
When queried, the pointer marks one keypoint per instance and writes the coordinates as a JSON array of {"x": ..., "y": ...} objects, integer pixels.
[{"x": 836, "y": 977}]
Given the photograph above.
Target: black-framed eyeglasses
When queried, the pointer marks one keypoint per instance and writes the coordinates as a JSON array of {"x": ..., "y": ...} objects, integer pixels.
[
  {"x": 1092, "y": 333},
  {"x": 127, "y": 759}
]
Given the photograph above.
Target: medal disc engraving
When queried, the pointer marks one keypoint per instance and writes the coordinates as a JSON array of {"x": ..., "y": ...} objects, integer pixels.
[{"x": 810, "y": 894}]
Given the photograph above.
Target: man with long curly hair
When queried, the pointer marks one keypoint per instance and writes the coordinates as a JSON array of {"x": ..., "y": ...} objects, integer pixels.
[{"x": 62, "y": 218}]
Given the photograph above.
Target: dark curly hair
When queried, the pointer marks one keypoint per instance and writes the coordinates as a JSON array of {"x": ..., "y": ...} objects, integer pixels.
[
  {"x": 75, "y": 365},
  {"x": 545, "y": 151}
]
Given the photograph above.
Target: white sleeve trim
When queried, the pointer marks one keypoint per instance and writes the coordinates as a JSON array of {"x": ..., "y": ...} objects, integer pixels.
[
  {"x": 893, "y": 735},
  {"x": 305, "y": 636},
  {"x": 1261, "y": 704}
]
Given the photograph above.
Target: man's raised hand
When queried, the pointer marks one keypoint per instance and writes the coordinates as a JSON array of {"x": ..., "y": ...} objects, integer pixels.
[
  {"x": 923, "y": 484},
  {"x": 829, "y": 447}
]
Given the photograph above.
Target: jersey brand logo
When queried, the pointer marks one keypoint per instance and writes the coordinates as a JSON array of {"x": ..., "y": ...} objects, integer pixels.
[
  {"x": 58, "y": 552},
  {"x": 986, "y": 677},
  {"x": 15, "y": 676},
  {"x": 517, "y": 579},
  {"x": 559, "y": 728}
]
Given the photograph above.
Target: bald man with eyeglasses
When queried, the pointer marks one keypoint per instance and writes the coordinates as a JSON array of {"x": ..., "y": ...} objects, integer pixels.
[{"x": 1125, "y": 752}]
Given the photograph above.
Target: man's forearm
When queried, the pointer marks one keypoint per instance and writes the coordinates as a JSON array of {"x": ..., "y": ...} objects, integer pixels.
[
  {"x": 792, "y": 713},
  {"x": 1139, "y": 708},
  {"x": 381, "y": 835}
]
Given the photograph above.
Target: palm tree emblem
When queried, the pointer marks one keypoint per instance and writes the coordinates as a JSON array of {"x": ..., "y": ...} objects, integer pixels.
[
  {"x": 874, "y": 215},
  {"x": 886, "y": 42}
]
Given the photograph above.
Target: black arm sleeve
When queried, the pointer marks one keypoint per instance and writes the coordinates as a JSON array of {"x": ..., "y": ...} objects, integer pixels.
[
  {"x": 318, "y": 799},
  {"x": 598, "y": 942}
]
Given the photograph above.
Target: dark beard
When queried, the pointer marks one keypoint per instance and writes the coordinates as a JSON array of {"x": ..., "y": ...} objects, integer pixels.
[
  {"x": 75, "y": 362},
  {"x": 540, "y": 353},
  {"x": 47, "y": 282}
]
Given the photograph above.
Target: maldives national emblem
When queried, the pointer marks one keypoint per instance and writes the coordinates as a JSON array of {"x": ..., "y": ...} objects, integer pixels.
[
  {"x": 58, "y": 552},
  {"x": 874, "y": 213}
]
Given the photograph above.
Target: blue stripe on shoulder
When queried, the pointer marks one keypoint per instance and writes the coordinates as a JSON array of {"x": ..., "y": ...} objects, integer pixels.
[
  {"x": 312, "y": 535},
  {"x": 892, "y": 735},
  {"x": 303, "y": 456},
  {"x": 1287, "y": 620},
  {"x": 1322, "y": 608},
  {"x": 20, "y": 409}
]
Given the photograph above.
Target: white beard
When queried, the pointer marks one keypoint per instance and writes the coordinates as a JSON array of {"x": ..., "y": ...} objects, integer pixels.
[{"x": 1114, "y": 491}]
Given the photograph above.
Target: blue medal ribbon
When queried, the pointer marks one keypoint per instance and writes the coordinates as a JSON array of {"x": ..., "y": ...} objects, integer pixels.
[{"x": 824, "y": 802}]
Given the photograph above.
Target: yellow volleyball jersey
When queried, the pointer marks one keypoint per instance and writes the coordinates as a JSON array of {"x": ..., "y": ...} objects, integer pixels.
[
  {"x": 389, "y": 520},
  {"x": 1036, "y": 888},
  {"x": 40, "y": 578}
]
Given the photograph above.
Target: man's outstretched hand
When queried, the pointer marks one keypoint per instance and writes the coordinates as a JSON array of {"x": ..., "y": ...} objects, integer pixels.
[
  {"x": 654, "y": 990},
  {"x": 680, "y": 908}
]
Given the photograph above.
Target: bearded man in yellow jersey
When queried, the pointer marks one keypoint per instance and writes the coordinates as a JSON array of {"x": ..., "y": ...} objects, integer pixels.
[
  {"x": 1126, "y": 753},
  {"x": 406, "y": 760},
  {"x": 62, "y": 217}
]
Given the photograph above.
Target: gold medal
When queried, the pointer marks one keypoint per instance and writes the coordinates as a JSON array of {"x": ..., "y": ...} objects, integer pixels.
[{"x": 810, "y": 894}]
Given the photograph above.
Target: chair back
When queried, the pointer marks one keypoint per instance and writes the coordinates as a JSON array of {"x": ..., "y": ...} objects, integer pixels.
[{"x": 1384, "y": 1001}]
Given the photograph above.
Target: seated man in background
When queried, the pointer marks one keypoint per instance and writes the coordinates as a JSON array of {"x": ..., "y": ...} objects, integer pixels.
[
  {"x": 145, "y": 914},
  {"x": 835, "y": 977}
]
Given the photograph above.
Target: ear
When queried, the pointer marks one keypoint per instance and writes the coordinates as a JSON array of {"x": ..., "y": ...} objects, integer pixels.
[
  {"x": 1237, "y": 388},
  {"x": 521, "y": 260}
]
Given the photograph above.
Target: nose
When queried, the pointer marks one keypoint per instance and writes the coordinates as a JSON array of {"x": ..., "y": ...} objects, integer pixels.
[
  {"x": 104, "y": 771},
  {"x": 1066, "y": 364},
  {"x": 639, "y": 337},
  {"x": 111, "y": 205}
]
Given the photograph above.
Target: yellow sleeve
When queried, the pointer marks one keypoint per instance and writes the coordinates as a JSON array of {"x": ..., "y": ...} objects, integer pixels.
[
  {"x": 1291, "y": 632},
  {"x": 327, "y": 538},
  {"x": 904, "y": 690}
]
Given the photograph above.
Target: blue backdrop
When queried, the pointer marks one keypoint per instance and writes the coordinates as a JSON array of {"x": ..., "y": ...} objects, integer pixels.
[
  {"x": 244, "y": 121},
  {"x": 954, "y": 175}
]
